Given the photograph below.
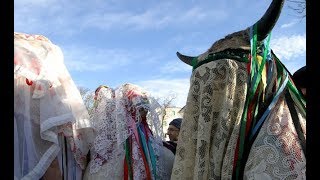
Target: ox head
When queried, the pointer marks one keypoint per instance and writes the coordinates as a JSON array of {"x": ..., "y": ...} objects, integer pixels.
[{"x": 241, "y": 39}]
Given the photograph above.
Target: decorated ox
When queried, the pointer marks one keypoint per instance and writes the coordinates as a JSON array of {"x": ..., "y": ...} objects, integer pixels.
[{"x": 244, "y": 117}]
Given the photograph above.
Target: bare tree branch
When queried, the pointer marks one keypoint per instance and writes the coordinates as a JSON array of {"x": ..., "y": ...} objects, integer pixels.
[
  {"x": 83, "y": 90},
  {"x": 165, "y": 102},
  {"x": 298, "y": 6},
  {"x": 87, "y": 97}
]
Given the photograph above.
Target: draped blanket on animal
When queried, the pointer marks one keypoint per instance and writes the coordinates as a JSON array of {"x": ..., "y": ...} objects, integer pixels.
[
  {"x": 48, "y": 110},
  {"x": 244, "y": 117}
]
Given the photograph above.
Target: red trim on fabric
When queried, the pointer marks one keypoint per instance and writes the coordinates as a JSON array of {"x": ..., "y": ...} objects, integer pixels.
[
  {"x": 146, "y": 165},
  {"x": 125, "y": 169},
  {"x": 236, "y": 155},
  {"x": 249, "y": 64},
  {"x": 251, "y": 108},
  {"x": 131, "y": 167},
  {"x": 249, "y": 119},
  {"x": 29, "y": 82}
]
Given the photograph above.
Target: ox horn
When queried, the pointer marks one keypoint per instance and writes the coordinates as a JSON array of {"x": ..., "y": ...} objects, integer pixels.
[
  {"x": 185, "y": 59},
  {"x": 269, "y": 19}
]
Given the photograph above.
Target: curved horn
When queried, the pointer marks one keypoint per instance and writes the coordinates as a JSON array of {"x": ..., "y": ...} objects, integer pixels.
[
  {"x": 185, "y": 59},
  {"x": 269, "y": 19}
]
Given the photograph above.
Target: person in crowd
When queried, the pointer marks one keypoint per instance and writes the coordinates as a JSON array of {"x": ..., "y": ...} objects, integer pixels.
[
  {"x": 174, "y": 129},
  {"x": 173, "y": 133}
]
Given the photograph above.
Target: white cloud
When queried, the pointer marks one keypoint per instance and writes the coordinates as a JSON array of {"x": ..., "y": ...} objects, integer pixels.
[
  {"x": 289, "y": 47},
  {"x": 158, "y": 17},
  {"x": 45, "y": 16},
  {"x": 198, "y": 14},
  {"x": 290, "y": 24},
  {"x": 84, "y": 58},
  {"x": 53, "y": 16},
  {"x": 79, "y": 58},
  {"x": 90, "y": 58},
  {"x": 76, "y": 65},
  {"x": 38, "y": 3},
  {"x": 164, "y": 88},
  {"x": 174, "y": 67}
]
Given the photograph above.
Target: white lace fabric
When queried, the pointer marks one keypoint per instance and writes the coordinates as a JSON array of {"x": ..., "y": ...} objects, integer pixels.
[
  {"x": 47, "y": 104},
  {"x": 118, "y": 119},
  {"x": 276, "y": 153},
  {"x": 208, "y": 135},
  {"x": 209, "y": 132},
  {"x": 105, "y": 144}
]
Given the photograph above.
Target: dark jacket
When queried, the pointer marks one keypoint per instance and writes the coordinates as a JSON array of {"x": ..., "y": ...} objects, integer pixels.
[{"x": 170, "y": 145}]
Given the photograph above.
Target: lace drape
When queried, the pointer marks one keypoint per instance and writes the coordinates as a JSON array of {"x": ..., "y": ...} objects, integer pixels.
[
  {"x": 276, "y": 152},
  {"x": 128, "y": 127},
  {"x": 47, "y": 104},
  {"x": 209, "y": 132}
]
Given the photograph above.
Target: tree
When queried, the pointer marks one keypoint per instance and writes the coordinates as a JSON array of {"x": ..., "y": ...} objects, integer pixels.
[
  {"x": 87, "y": 97},
  {"x": 165, "y": 103},
  {"x": 298, "y": 6}
]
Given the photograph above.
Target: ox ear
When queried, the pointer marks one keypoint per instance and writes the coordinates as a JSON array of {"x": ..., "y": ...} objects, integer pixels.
[
  {"x": 269, "y": 19},
  {"x": 185, "y": 59}
]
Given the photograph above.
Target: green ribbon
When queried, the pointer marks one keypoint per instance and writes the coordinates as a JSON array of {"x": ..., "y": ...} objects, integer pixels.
[
  {"x": 255, "y": 80},
  {"x": 148, "y": 151},
  {"x": 127, "y": 156}
]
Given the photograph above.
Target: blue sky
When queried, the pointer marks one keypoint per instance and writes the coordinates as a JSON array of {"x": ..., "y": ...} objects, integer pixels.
[{"x": 112, "y": 42}]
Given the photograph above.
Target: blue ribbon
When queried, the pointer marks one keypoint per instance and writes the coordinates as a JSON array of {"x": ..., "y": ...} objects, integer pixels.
[
  {"x": 147, "y": 149},
  {"x": 270, "y": 107}
]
